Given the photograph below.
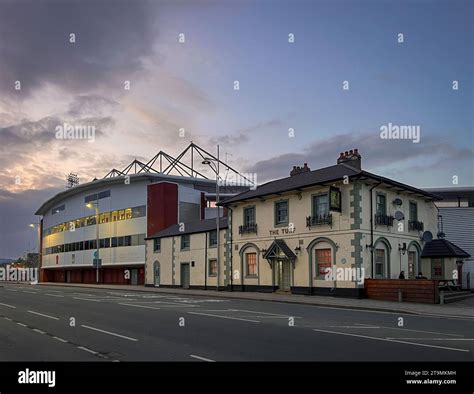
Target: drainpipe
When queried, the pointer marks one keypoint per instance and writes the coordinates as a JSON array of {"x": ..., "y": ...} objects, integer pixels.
[
  {"x": 205, "y": 264},
  {"x": 372, "y": 229},
  {"x": 231, "y": 247}
]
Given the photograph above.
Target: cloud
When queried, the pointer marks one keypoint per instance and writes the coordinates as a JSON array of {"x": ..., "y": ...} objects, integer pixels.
[
  {"x": 108, "y": 37},
  {"x": 389, "y": 156},
  {"x": 91, "y": 104},
  {"x": 244, "y": 134}
]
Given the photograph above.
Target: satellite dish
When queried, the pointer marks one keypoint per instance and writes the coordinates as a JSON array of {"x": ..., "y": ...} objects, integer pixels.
[
  {"x": 397, "y": 201},
  {"x": 427, "y": 236},
  {"x": 399, "y": 215}
]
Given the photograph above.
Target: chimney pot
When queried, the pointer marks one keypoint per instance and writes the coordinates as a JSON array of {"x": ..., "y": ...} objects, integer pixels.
[{"x": 352, "y": 158}]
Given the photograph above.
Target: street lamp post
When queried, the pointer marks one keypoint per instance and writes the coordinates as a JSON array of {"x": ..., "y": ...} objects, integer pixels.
[
  {"x": 95, "y": 204},
  {"x": 38, "y": 240},
  {"x": 215, "y": 168}
]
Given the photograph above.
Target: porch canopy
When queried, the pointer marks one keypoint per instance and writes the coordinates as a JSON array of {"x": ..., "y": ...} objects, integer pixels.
[{"x": 279, "y": 250}]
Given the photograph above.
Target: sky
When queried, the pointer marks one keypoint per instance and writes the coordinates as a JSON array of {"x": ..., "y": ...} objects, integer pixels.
[{"x": 127, "y": 73}]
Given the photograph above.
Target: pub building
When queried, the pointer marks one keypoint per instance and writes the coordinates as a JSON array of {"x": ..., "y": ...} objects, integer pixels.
[{"x": 287, "y": 234}]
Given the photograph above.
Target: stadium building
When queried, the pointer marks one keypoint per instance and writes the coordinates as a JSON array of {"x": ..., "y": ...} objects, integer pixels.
[{"x": 117, "y": 213}]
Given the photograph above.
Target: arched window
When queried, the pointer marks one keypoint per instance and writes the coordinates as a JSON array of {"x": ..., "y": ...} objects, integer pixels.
[
  {"x": 382, "y": 249},
  {"x": 414, "y": 252},
  {"x": 249, "y": 260},
  {"x": 322, "y": 256}
]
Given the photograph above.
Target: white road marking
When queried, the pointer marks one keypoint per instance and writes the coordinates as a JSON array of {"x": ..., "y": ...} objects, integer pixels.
[
  {"x": 39, "y": 331},
  {"x": 7, "y": 305},
  {"x": 439, "y": 339},
  {"x": 60, "y": 339},
  {"x": 414, "y": 314},
  {"x": 224, "y": 317},
  {"x": 83, "y": 294},
  {"x": 11, "y": 290},
  {"x": 87, "y": 350},
  {"x": 110, "y": 333},
  {"x": 41, "y": 314},
  {"x": 202, "y": 358},
  {"x": 392, "y": 340},
  {"x": 7, "y": 318},
  {"x": 173, "y": 304},
  {"x": 21, "y": 324},
  {"x": 30, "y": 292},
  {"x": 86, "y": 299},
  {"x": 409, "y": 329},
  {"x": 353, "y": 327},
  {"x": 262, "y": 313},
  {"x": 54, "y": 295},
  {"x": 139, "y": 306}
]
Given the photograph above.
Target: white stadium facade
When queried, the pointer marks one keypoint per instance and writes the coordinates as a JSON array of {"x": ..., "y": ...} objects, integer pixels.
[{"x": 128, "y": 205}]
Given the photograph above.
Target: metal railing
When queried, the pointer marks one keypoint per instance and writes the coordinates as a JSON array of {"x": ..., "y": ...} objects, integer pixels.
[
  {"x": 414, "y": 225},
  {"x": 248, "y": 228},
  {"x": 319, "y": 220},
  {"x": 385, "y": 220}
]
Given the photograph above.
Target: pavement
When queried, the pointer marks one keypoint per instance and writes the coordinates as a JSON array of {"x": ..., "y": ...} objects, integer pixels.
[
  {"x": 464, "y": 308},
  {"x": 71, "y": 323}
]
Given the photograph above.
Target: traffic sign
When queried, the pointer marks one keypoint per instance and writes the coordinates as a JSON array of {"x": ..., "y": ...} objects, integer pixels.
[
  {"x": 94, "y": 263},
  {"x": 95, "y": 254}
]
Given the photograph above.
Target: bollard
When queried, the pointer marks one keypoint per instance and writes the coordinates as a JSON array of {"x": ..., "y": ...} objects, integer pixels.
[{"x": 400, "y": 295}]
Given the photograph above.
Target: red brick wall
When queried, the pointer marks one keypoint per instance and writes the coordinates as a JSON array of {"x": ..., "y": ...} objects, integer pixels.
[{"x": 162, "y": 206}]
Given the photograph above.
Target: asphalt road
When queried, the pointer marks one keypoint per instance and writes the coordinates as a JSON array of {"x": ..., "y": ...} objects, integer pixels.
[{"x": 50, "y": 323}]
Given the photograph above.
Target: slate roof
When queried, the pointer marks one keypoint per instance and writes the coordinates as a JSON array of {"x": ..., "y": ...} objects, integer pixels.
[
  {"x": 319, "y": 177},
  {"x": 443, "y": 248},
  {"x": 197, "y": 226}
]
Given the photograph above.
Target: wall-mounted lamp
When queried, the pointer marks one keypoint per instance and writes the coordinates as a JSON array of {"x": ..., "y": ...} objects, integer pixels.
[
  {"x": 263, "y": 251},
  {"x": 299, "y": 196},
  {"x": 402, "y": 247},
  {"x": 298, "y": 249}
]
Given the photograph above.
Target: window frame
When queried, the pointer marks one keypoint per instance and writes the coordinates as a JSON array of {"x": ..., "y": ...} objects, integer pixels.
[
  {"x": 248, "y": 208},
  {"x": 182, "y": 242},
  {"x": 209, "y": 267},
  {"x": 415, "y": 204},
  {"x": 384, "y": 263},
  {"x": 432, "y": 262},
  {"x": 247, "y": 274},
  {"x": 212, "y": 245},
  {"x": 275, "y": 212},
  {"x": 317, "y": 272},
  {"x": 377, "y": 212},
  {"x": 157, "y": 245},
  {"x": 314, "y": 198}
]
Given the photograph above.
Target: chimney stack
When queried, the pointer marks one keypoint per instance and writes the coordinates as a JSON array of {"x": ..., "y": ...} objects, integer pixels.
[
  {"x": 299, "y": 170},
  {"x": 351, "y": 158}
]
